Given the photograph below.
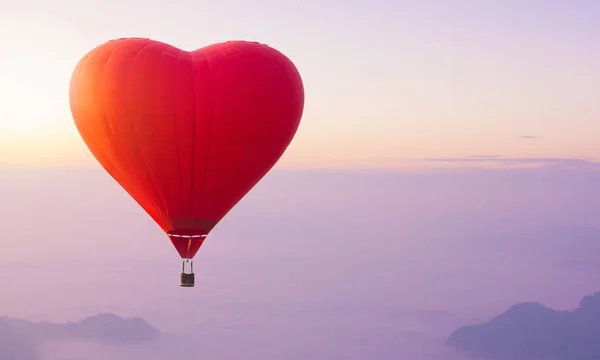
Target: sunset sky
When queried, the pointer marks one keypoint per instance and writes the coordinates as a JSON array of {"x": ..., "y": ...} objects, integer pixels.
[
  {"x": 318, "y": 263},
  {"x": 387, "y": 82}
]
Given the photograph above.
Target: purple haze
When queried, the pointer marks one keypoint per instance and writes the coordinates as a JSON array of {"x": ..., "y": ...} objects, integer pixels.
[{"x": 321, "y": 264}]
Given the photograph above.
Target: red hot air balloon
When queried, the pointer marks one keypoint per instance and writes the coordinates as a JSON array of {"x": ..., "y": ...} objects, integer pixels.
[{"x": 186, "y": 134}]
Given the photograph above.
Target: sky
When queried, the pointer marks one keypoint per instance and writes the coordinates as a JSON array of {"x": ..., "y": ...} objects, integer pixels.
[
  {"x": 321, "y": 263},
  {"x": 388, "y": 83}
]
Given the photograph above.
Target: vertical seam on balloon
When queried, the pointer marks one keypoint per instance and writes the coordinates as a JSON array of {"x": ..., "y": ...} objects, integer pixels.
[
  {"x": 112, "y": 52},
  {"x": 162, "y": 196},
  {"x": 211, "y": 134},
  {"x": 134, "y": 137},
  {"x": 194, "y": 120},
  {"x": 177, "y": 143},
  {"x": 193, "y": 157}
]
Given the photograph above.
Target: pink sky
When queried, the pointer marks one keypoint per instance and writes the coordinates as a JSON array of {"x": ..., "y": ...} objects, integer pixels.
[{"x": 387, "y": 82}]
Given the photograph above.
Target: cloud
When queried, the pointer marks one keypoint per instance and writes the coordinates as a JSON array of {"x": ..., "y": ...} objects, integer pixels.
[
  {"x": 563, "y": 163},
  {"x": 529, "y": 137},
  {"x": 483, "y": 157}
]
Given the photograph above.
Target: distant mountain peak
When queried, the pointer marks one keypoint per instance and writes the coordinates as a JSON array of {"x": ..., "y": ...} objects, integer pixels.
[
  {"x": 104, "y": 326},
  {"x": 531, "y": 331},
  {"x": 527, "y": 308},
  {"x": 590, "y": 303},
  {"x": 111, "y": 327}
]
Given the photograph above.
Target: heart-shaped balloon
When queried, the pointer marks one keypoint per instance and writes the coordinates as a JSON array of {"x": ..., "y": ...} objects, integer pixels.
[{"x": 186, "y": 134}]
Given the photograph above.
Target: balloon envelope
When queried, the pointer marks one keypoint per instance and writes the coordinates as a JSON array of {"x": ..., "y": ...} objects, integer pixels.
[{"x": 186, "y": 134}]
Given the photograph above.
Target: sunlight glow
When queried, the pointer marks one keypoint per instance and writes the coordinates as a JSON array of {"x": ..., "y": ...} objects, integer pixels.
[{"x": 433, "y": 94}]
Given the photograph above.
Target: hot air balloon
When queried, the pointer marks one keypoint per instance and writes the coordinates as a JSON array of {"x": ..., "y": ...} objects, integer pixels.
[{"x": 186, "y": 133}]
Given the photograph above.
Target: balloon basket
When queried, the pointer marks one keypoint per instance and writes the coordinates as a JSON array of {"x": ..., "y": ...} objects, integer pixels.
[{"x": 187, "y": 280}]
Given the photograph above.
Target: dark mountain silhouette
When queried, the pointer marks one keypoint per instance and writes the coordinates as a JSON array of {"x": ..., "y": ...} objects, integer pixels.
[
  {"x": 106, "y": 327},
  {"x": 531, "y": 331},
  {"x": 18, "y": 337}
]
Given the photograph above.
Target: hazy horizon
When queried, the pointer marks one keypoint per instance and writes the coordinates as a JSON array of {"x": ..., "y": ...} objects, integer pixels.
[{"x": 314, "y": 260}]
